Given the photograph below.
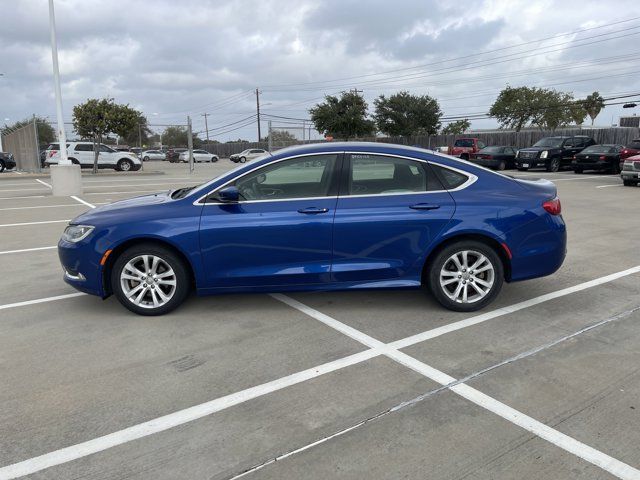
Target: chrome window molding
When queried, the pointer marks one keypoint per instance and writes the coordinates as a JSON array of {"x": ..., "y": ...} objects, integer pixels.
[{"x": 471, "y": 179}]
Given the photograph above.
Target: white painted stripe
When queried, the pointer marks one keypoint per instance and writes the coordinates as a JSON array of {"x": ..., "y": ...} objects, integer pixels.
[
  {"x": 607, "y": 186},
  {"x": 559, "y": 439},
  {"x": 19, "y": 173},
  {"x": 6, "y": 252},
  {"x": 175, "y": 419},
  {"x": 122, "y": 180},
  {"x": 128, "y": 191},
  {"x": 77, "y": 199},
  {"x": 581, "y": 177},
  {"x": 40, "y": 300},
  {"x": 22, "y": 190},
  {"x": 47, "y": 206},
  {"x": 585, "y": 452},
  {"x": 143, "y": 185},
  {"x": 606, "y": 462},
  {"x": 483, "y": 317},
  {"x": 28, "y": 196},
  {"x": 32, "y": 223},
  {"x": 44, "y": 183}
]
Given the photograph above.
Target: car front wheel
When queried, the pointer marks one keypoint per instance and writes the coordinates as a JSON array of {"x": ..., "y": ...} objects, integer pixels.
[
  {"x": 124, "y": 165},
  {"x": 150, "y": 280},
  {"x": 243, "y": 159},
  {"x": 2, "y": 167},
  {"x": 466, "y": 276},
  {"x": 553, "y": 165}
]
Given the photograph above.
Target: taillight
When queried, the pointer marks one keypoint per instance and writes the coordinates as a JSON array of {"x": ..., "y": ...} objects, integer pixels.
[
  {"x": 52, "y": 153},
  {"x": 602, "y": 157},
  {"x": 553, "y": 206},
  {"x": 574, "y": 157},
  {"x": 489, "y": 157}
]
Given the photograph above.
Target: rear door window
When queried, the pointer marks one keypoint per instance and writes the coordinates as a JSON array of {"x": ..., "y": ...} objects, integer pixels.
[{"x": 451, "y": 179}]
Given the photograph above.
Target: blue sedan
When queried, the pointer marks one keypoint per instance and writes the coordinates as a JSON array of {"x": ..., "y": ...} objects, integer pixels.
[{"x": 322, "y": 217}]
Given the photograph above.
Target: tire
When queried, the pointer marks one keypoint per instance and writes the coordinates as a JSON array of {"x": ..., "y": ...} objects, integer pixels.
[
  {"x": 134, "y": 258},
  {"x": 214, "y": 159},
  {"x": 577, "y": 170},
  {"x": 553, "y": 165},
  {"x": 124, "y": 165},
  {"x": 2, "y": 166},
  {"x": 615, "y": 168},
  {"x": 501, "y": 166},
  {"x": 629, "y": 183},
  {"x": 75, "y": 161},
  {"x": 443, "y": 267},
  {"x": 243, "y": 159},
  {"x": 145, "y": 159},
  {"x": 464, "y": 156},
  {"x": 522, "y": 169}
]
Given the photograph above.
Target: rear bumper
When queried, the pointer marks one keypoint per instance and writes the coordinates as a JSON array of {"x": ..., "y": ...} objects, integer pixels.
[{"x": 599, "y": 165}]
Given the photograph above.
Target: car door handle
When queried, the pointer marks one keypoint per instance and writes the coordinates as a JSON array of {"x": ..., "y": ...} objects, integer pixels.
[
  {"x": 313, "y": 210},
  {"x": 425, "y": 206}
]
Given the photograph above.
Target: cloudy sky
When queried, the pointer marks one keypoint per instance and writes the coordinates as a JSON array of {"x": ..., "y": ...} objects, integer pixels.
[{"x": 171, "y": 59}]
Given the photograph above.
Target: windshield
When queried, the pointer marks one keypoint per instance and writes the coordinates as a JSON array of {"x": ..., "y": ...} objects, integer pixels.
[
  {"x": 635, "y": 144},
  {"x": 599, "y": 149},
  {"x": 549, "y": 142},
  {"x": 492, "y": 150}
]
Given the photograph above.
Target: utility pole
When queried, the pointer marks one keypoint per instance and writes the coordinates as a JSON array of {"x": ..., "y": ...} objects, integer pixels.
[
  {"x": 206, "y": 126},
  {"x": 190, "y": 144},
  {"x": 258, "y": 112}
]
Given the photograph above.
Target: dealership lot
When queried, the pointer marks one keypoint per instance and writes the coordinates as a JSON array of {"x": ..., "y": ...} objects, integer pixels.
[{"x": 321, "y": 385}]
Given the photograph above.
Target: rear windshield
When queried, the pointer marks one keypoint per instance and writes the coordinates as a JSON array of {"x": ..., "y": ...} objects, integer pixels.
[
  {"x": 600, "y": 149},
  {"x": 463, "y": 142},
  {"x": 549, "y": 142},
  {"x": 492, "y": 150}
]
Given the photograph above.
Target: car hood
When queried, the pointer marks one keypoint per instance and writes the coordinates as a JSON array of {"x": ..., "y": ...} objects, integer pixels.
[{"x": 104, "y": 212}]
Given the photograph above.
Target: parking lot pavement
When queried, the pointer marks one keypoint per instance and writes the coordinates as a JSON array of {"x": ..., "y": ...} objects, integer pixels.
[{"x": 227, "y": 384}]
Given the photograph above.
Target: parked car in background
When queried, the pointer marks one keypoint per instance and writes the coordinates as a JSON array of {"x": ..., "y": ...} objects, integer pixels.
[
  {"x": 199, "y": 156},
  {"x": 81, "y": 153},
  {"x": 136, "y": 150},
  {"x": 552, "y": 153},
  {"x": 152, "y": 155},
  {"x": 498, "y": 157},
  {"x": 394, "y": 224},
  {"x": 7, "y": 162},
  {"x": 173, "y": 154},
  {"x": 248, "y": 154},
  {"x": 464, "y": 147},
  {"x": 598, "y": 157},
  {"x": 630, "y": 172},
  {"x": 630, "y": 150}
]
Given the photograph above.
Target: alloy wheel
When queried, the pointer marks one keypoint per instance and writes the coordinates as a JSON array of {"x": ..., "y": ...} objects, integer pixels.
[
  {"x": 467, "y": 276},
  {"x": 148, "y": 281}
]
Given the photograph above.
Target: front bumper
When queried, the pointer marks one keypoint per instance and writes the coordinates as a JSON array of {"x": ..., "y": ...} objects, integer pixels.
[
  {"x": 81, "y": 267},
  {"x": 530, "y": 162},
  {"x": 629, "y": 175},
  {"x": 9, "y": 164}
]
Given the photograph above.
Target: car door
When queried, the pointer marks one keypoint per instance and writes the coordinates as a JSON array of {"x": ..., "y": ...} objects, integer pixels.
[
  {"x": 83, "y": 152},
  {"x": 280, "y": 231},
  {"x": 390, "y": 209},
  {"x": 571, "y": 147}
]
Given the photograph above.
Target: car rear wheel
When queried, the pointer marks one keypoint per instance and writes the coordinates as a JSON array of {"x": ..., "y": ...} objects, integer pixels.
[
  {"x": 577, "y": 170},
  {"x": 150, "y": 280},
  {"x": 466, "y": 276},
  {"x": 124, "y": 165},
  {"x": 615, "y": 168},
  {"x": 553, "y": 165},
  {"x": 145, "y": 159},
  {"x": 502, "y": 165}
]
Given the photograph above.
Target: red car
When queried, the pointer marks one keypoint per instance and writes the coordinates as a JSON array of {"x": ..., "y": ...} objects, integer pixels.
[
  {"x": 630, "y": 150},
  {"x": 464, "y": 147}
]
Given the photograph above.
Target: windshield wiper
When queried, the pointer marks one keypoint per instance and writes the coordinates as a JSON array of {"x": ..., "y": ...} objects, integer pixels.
[{"x": 181, "y": 192}]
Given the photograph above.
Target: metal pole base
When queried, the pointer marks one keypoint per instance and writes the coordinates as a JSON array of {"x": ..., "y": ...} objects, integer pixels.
[{"x": 66, "y": 180}]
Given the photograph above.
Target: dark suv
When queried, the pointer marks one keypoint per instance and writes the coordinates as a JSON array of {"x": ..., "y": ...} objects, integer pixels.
[
  {"x": 553, "y": 153},
  {"x": 6, "y": 161}
]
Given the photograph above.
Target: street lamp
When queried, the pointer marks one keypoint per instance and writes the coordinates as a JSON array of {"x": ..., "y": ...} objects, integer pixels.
[{"x": 66, "y": 177}]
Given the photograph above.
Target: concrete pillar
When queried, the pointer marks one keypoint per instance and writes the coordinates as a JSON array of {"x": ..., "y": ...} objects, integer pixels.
[{"x": 66, "y": 180}]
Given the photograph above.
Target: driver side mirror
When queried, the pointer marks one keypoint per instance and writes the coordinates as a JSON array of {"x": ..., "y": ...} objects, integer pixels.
[{"x": 229, "y": 194}]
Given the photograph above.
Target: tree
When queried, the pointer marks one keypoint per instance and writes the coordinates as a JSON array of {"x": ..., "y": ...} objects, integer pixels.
[
  {"x": 545, "y": 108},
  {"x": 280, "y": 137},
  {"x": 578, "y": 112},
  {"x": 133, "y": 137},
  {"x": 456, "y": 128},
  {"x": 593, "y": 104},
  {"x": 46, "y": 133},
  {"x": 403, "y": 114},
  {"x": 176, "y": 136},
  {"x": 344, "y": 117},
  {"x": 97, "y": 118}
]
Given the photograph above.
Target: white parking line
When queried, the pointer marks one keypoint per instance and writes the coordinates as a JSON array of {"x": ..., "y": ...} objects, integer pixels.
[
  {"x": 607, "y": 186},
  {"x": 28, "y": 196},
  {"x": 140, "y": 184},
  {"x": 569, "y": 444},
  {"x": 160, "y": 177},
  {"x": 90, "y": 205},
  {"x": 39, "y": 300},
  {"x": 44, "y": 183},
  {"x": 581, "y": 177},
  {"x": 128, "y": 191},
  {"x": 181, "y": 417},
  {"x": 32, "y": 223},
  {"x": 46, "y": 206},
  {"x": 27, "y": 250},
  {"x": 39, "y": 189}
]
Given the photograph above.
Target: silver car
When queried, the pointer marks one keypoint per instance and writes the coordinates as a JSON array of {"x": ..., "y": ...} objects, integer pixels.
[
  {"x": 199, "y": 156},
  {"x": 152, "y": 155}
]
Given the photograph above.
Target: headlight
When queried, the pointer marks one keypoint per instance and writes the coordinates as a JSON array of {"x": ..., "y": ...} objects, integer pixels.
[
  {"x": 544, "y": 154},
  {"x": 75, "y": 233}
]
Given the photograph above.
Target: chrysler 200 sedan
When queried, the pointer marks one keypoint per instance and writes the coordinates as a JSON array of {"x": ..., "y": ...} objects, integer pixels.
[{"x": 322, "y": 217}]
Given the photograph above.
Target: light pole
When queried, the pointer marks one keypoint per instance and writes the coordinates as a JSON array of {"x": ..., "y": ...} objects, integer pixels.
[{"x": 66, "y": 178}]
